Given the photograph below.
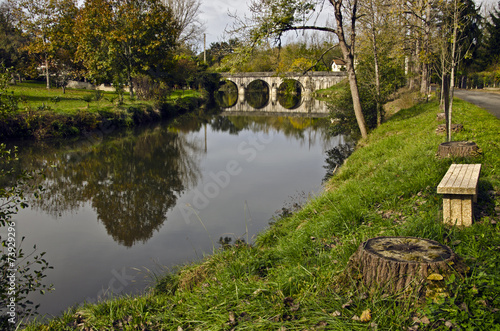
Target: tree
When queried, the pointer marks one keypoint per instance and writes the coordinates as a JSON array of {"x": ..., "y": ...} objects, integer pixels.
[
  {"x": 272, "y": 19},
  {"x": 118, "y": 39},
  {"x": 492, "y": 41},
  {"x": 64, "y": 43},
  {"x": 186, "y": 14},
  {"x": 11, "y": 39},
  {"x": 459, "y": 35},
  {"x": 36, "y": 20}
]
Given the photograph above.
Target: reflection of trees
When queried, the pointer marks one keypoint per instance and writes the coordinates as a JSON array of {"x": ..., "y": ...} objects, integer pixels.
[
  {"x": 227, "y": 95},
  {"x": 257, "y": 94},
  {"x": 131, "y": 182},
  {"x": 289, "y": 94},
  {"x": 303, "y": 129},
  {"x": 336, "y": 157}
]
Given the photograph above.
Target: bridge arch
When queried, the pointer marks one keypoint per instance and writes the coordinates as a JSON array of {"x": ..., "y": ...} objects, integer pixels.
[
  {"x": 260, "y": 91},
  {"x": 293, "y": 97}
]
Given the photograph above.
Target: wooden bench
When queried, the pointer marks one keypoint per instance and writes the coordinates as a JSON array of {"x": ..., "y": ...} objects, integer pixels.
[{"x": 459, "y": 189}]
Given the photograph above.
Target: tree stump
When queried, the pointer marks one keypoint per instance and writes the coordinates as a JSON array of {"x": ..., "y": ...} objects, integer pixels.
[
  {"x": 458, "y": 149},
  {"x": 403, "y": 265},
  {"x": 440, "y": 116}
]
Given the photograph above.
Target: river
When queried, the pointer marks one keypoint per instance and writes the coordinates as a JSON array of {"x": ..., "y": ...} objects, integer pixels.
[{"x": 122, "y": 205}]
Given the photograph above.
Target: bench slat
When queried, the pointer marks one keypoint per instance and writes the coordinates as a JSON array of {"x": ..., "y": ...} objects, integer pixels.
[{"x": 460, "y": 179}]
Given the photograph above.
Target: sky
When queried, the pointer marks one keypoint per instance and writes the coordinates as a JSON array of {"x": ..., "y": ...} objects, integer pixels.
[{"x": 215, "y": 16}]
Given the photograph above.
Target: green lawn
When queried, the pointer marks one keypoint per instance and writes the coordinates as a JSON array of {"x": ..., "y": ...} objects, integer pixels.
[
  {"x": 34, "y": 96},
  {"x": 44, "y": 113},
  {"x": 289, "y": 278}
]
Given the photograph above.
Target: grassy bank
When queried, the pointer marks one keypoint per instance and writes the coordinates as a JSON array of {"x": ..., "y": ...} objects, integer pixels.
[
  {"x": 46, "y": 113},
  {"x": 286, "y": 279}
]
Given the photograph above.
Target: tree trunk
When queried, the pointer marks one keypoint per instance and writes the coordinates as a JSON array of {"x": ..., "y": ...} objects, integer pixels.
[
  {"x": 348, "y": 53},
  {"x": 376, "y": 64},
  {"x": 453, "y": 64},
  {"x": 403, "y": 265},
  {"x": 47, "y": 75}
]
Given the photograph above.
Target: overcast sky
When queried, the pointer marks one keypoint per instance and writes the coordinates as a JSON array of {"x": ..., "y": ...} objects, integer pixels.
[{"x": 215, "y": 16}]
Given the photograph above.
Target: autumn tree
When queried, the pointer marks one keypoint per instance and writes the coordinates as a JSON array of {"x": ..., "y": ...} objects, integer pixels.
[
  {"x": 11, "y": 40},
  {"x": 119, "y": 39},
  {"x": 271, "y": 20},
  {"x": 36, "y": 20}
]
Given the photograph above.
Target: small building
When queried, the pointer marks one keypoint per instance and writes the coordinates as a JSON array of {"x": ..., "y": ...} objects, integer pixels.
[{"x": 338, "y": 65}]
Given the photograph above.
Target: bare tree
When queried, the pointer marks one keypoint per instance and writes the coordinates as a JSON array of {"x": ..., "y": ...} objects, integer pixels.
[{"x": 186, "y": 13}]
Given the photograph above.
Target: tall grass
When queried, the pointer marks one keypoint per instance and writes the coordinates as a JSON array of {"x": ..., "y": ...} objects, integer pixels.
[{"x": 287, "y": 279}]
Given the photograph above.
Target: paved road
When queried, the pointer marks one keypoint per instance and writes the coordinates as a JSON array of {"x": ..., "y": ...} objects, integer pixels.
[{"x": 486, "y": 100}]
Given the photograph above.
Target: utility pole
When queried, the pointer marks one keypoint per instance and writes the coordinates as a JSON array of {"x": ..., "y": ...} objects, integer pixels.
[{"x": 205, "y": 48}]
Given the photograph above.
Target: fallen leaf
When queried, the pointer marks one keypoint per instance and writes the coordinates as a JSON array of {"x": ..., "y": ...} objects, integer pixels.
[
  {"x": 336, "y": 313},
  {"x": 356, "y": 318},
  {"x": 435, "y": 277},
  {"x": 366, "y": 316},
  {"x": 423, "y": 320},
  {"x": 347, "y": 304}
]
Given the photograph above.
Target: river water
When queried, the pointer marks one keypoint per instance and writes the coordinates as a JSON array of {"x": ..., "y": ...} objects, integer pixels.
[{"x": 120, "y": 202}]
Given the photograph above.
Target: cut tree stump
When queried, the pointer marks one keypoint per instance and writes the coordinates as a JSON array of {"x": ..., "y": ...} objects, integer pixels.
[
  {"x": 458, "y": 149},
  {"x": 404, "y": 265}
]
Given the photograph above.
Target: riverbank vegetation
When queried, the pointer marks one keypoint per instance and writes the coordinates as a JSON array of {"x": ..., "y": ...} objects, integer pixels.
[
  {"x": 286, "y": 278},
  {"x": 39, "y": 113}
]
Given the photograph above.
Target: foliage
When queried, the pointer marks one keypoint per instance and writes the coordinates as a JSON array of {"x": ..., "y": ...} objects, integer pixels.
[
  {"x": 11, "y": 40},
  {"x": 492, "y": 42},
  {"x": 22, "y": 272},
  {"x": 50, "y": 113},
  {"x": 342, "y": 112},
  {"x": 8, "y": 102},
  {"x": 125, "y": 39}
]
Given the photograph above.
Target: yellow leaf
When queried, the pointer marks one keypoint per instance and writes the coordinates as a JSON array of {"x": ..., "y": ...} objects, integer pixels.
[
  {"x": 435, "y": 277},
  {"x": 366, "y": 316}
]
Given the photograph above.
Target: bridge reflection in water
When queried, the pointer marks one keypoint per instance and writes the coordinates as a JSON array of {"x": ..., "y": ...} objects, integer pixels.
[{"x": 307, "y": 108}]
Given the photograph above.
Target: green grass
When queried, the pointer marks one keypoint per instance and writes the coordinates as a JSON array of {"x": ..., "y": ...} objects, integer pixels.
[
  {"x": 45, "y": 113},
  {"x": 287, "y": 280},
  {"x": 34, "y": 95}
]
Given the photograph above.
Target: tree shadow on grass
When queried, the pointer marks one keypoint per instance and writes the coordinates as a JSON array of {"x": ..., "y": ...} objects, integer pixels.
[{"x": 405, "y": 114}]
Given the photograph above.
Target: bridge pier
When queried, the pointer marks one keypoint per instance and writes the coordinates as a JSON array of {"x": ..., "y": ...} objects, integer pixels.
[
  {"x": 274, "y": 93},
  {"x": 241, "y": 93}
]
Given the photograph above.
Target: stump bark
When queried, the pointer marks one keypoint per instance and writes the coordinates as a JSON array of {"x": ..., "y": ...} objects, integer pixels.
[
  {"x": 458, "y": 149},
  {"x": 403, "y": 265}
]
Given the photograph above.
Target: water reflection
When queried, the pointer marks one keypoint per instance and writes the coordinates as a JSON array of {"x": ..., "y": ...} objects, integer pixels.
[
  {"x": 132, "y": 179},
  {"x": 290, "y": 94},
  {"x": 257, "y": 94}
]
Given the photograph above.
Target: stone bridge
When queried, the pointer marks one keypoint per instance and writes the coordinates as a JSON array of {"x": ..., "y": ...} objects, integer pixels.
[{"x": 309, "y": 83}]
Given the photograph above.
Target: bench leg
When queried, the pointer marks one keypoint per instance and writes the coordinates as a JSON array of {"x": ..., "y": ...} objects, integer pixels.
[{"x": 457, "y": 209}]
